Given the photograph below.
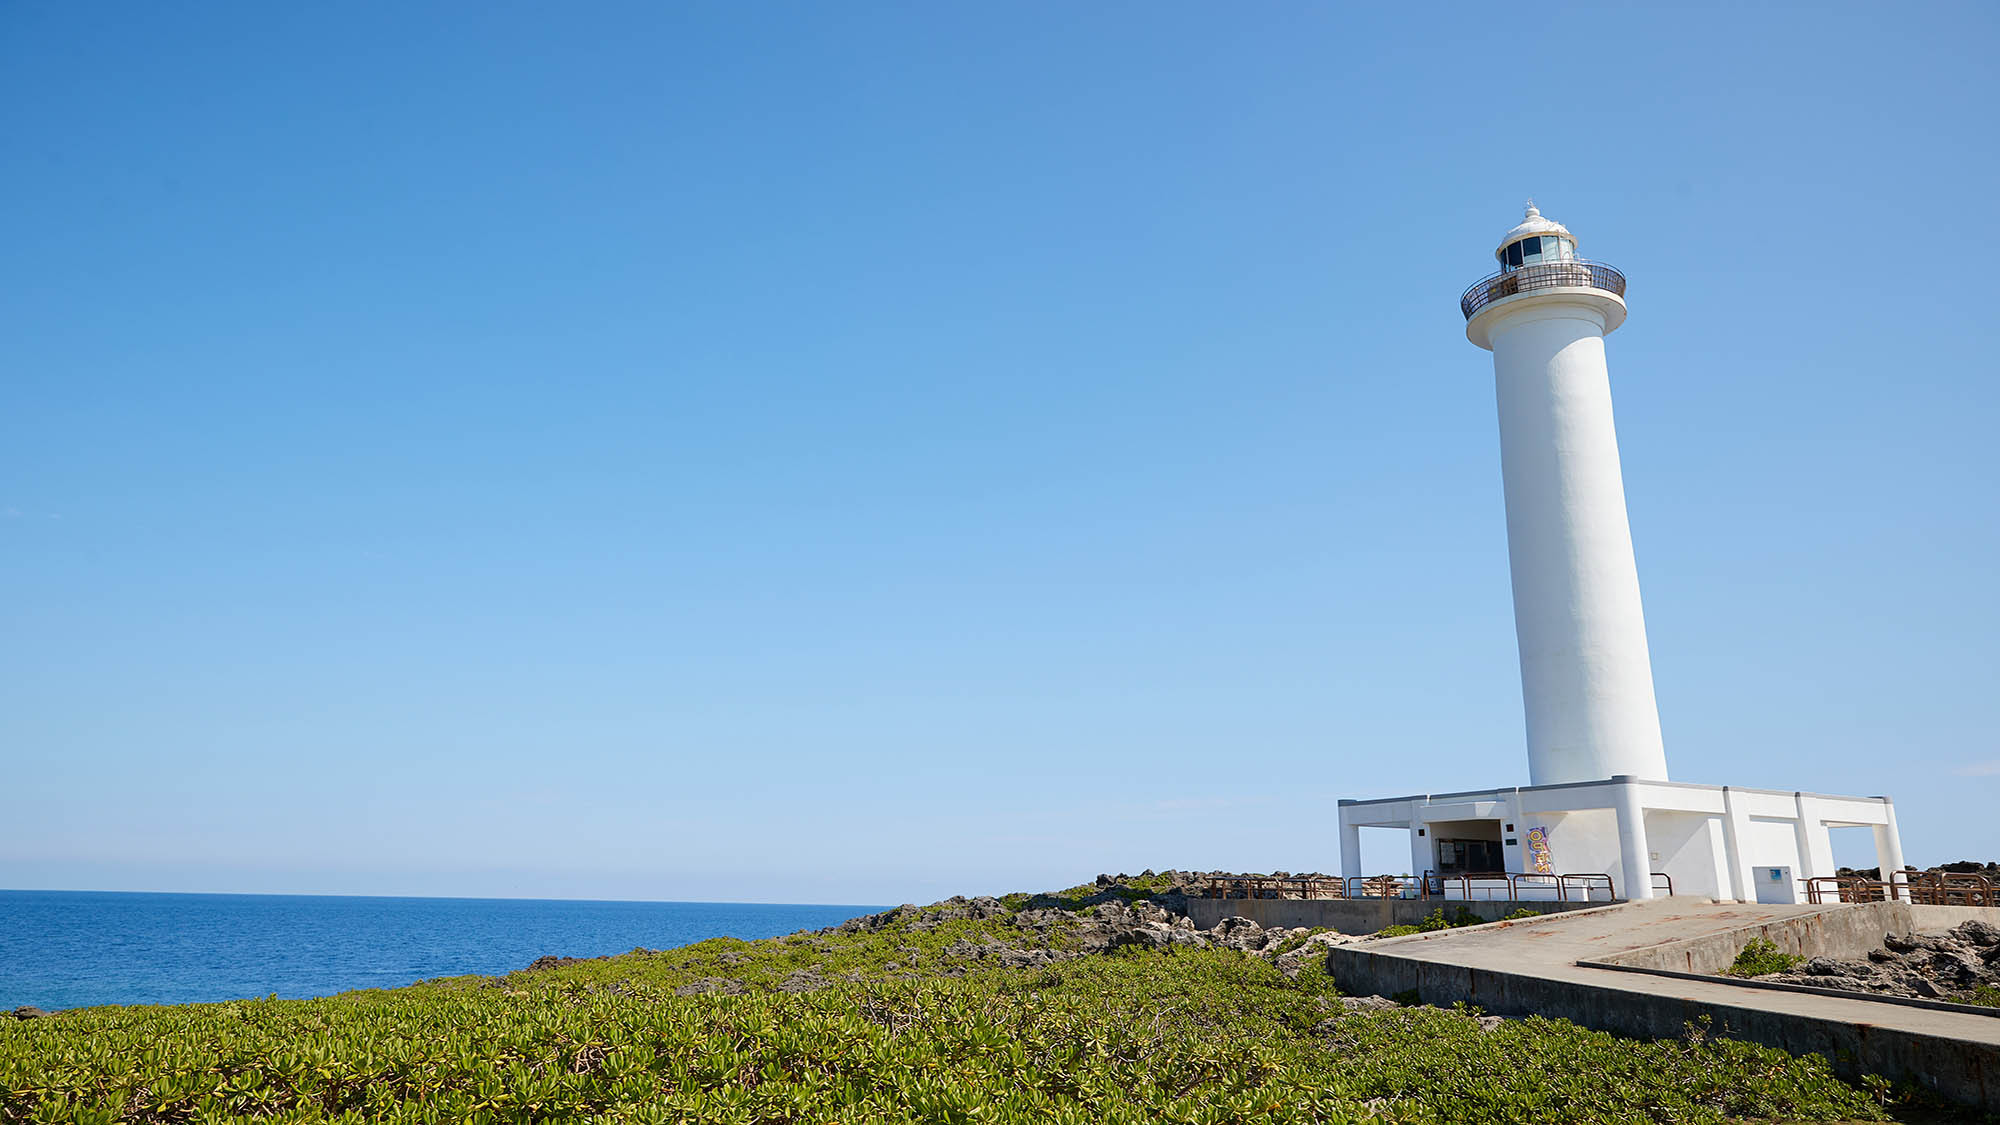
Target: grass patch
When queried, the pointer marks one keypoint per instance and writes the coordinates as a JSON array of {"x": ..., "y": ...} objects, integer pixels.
[
  {"x": 1298, "y": 941},
  {"x": 1760, "y": 958},
  {"x": 1437, "y": 921}
]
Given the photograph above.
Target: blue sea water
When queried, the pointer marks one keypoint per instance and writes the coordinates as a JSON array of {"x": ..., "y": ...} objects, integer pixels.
[{"x": 70, "y": 949}]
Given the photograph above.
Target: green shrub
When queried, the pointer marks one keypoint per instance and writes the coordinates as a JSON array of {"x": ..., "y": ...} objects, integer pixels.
[
  {"x": 1986, "y": 996},
  {"x": 1759, "y": 958},
  {"x": 1298, "y": 941},
  {"x": 1437, "y": 921}
]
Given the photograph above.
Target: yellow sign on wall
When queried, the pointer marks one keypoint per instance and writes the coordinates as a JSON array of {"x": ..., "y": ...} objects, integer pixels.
[{"x": 1540, "y": 860}]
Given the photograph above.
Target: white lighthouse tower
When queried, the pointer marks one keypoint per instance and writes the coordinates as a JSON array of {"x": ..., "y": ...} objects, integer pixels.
[
  {"x": 1598, "y": 818},
  {"x": 1586, "y": 676}
]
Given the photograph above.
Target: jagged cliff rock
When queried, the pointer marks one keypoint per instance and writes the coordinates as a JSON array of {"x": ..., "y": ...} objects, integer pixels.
[{"x": 1954, "y": 965}]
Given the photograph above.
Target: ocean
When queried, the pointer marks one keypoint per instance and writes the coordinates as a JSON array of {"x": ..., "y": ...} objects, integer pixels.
[{"x": 71, "y": 949}]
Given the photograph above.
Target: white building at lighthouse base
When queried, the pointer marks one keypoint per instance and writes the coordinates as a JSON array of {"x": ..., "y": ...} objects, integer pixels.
[{"x": 1628, "y": 838}]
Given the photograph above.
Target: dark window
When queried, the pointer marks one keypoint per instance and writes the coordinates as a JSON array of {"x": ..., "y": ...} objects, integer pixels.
[
  {"x": 1420, "y": 831},
  {"x": 1510, "y": 828},
  {"x": 1531, "y": 245},
  {"x": 1510, "y": 843},
  {"x": 1469, "y": 855},
  {"x": 1514, "y": 254}
]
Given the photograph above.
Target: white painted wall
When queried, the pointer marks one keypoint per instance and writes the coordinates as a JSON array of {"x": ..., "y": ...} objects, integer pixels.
[
  {"x": 1771, "y": 843},
  {"x": 1688, "y": 848},
  {"x": 1583, "y": 843},
  {"x": 1586, "y": 673}
]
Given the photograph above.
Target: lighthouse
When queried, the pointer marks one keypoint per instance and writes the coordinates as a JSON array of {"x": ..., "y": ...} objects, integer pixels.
[
  {"x": 1586, "y": 674},
  {"x": 1599, "y": 819}
]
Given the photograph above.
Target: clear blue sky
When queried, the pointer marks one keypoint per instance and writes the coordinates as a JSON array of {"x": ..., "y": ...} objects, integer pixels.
[{"x": 863, "y": 453}]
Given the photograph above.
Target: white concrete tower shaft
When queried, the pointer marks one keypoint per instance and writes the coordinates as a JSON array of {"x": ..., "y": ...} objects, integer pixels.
[{"x": 1586, "y": 673}]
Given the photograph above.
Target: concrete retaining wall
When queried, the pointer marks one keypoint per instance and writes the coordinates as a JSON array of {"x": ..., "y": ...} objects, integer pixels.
[
  {"x": 1843, "y": 930},
  {"x": 1938, "y": 919},
  {"x": 1962, "y": 1070},
  {"x": 1847, "y": 931},
  {"x": 1355, "y": 915}
]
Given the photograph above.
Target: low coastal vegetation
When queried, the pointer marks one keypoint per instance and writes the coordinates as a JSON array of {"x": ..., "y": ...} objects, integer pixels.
[
  {"x": 1100, "y": 1004},
  {"x": 1460, "y": 917},
  {"x": 1760, "y": 957}
]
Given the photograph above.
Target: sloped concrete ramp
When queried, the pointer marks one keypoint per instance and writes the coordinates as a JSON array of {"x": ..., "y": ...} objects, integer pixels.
[{"x": 1537, "y": 967}]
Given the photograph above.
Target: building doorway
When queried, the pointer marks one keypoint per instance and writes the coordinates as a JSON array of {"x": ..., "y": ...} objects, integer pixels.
[{"x": 1470, "y": 857}]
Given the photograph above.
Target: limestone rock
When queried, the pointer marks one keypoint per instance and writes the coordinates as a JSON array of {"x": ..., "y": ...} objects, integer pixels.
[
  {"x": 1367, "y": 1003},
  {"x": 804, "y": 980},
  {"x": 1947, "y": 966},
  {"x": 1978, "y": 933}
]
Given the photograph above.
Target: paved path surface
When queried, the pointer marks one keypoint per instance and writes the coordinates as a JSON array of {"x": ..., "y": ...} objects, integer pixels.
[
  {"x": 1531, "y": 967},
  {"x": 1551, "y": 946}
]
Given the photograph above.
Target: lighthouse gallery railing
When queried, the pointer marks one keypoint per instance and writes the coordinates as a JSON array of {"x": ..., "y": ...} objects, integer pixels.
[{"x": 1576, "y": 273}]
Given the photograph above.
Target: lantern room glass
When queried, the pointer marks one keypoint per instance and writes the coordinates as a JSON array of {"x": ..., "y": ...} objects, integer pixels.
[{"x": 1535, "y": 250}]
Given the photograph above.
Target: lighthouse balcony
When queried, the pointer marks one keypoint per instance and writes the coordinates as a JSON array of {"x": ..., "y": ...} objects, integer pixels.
[{"x": 1573, "y": 273}]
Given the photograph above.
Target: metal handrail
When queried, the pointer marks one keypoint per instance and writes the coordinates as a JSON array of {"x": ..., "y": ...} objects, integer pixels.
[
  {"x": 1483, "y": 881},
  {"x": 1470, "y": 886},
  {"x": 1940, "y": 889},
  {"x": 1267, "y": 886},
  {"x": 1585, "y": 884},
  {"x": 1385, "y": 886},
  {"x": 1849, "y": 888},
  {"x": 1572, "y": 273},
  {"x": 1540, "y": 880},
  {"x": 1946, "y": 888},
  {"x": 1658, "y": 876}
]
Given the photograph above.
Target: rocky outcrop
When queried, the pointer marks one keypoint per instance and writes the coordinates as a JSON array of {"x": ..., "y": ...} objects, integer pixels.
[
  {"x": 1332, "y": 1029},
  {"x": 804, "y": 980},
  {"x": 1954, "y": 965},
  {"x": 1148, "y": 910},
  {"x": 1149, "y": 925},
  {"x": 712, "y": 986},
  {"x": 1962, "y": 867},
  {"x": 553, "y": 962}
]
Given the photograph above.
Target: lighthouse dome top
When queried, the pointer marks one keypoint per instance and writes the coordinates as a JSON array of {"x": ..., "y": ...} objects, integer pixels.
[{"x": 1532, "y": 223}]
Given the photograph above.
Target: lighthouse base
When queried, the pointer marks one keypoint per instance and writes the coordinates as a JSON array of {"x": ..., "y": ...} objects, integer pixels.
[{"x": 1624, "y": 838}]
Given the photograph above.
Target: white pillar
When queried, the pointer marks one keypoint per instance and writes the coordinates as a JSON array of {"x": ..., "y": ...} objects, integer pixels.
[
  {"x": 1586, "y": 673},
  {"x": 1814, "y": 843},
  {"x": 1634, "y": 853},
  {"x": 1513, "y": 854},
  {"x": 1423, "y": 853},
  {"x": 1889, "y": 845},
  {"x": 1350, "y": 847},
  {"x": 1736, "y": 826}
]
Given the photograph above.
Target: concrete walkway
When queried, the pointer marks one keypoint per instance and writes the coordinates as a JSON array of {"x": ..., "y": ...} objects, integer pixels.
[{"x": 1531, "y": 968}]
